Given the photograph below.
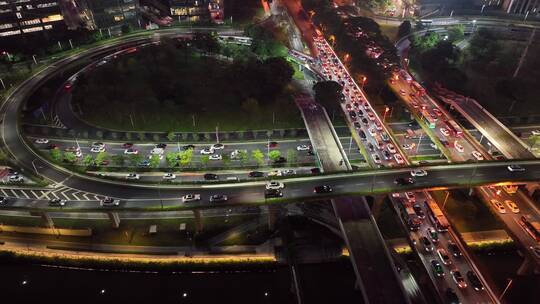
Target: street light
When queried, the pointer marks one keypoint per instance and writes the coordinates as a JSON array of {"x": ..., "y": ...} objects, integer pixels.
[
  {"x": 386, "y": 110},
  {"x": 364, "y": 79}
]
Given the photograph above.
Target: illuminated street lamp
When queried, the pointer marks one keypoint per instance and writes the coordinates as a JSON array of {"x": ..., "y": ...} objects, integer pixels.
[
  {"x": 347, "y": 57},
  {"x": 386, "y": 110},
  {"x": 364, "y": 79},
  {"x": 333, "y": 39}
]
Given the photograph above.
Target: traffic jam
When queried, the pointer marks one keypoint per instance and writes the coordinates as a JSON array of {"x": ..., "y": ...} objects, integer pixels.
[{"x": 359, "y": 112}]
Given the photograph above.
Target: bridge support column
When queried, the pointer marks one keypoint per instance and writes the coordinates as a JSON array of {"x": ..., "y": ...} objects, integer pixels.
[
  {"x": 528, "y": 267},
  {"x": 198, "y": 221},
  {"x": 272, "y": 216},
  {"x": 115, "y": 219}
]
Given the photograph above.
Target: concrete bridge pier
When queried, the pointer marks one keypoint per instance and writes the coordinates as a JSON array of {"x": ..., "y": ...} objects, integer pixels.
[
  {"x": 115, "y": 219},
  {"x": 198, "y": 221}
]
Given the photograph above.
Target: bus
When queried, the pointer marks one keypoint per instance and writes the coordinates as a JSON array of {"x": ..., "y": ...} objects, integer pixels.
[
  {"x": 428, "y": 119},
  {"x": 454, "y": 128},
  {"x": 436, "y": 216},
  {"x": 417, "y": 89},
  {"x": 532, "y": 228}
]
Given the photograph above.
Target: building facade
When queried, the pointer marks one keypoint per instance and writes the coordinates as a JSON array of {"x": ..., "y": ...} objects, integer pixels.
[
  {"x": 30, "y": 17},
  {"x": 522, "y": 6}
]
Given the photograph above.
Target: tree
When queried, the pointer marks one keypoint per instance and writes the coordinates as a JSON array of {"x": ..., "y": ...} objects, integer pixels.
[
  {"x": 171, "y": 136},
  {"x": 243, "y": 156},
  {"x": 56, "y": 155},
  {"x": 186, "y": 157},
  {"x": 88, "y": 160},
  {"x": 135, "y": 159},
  {"x": 70, "y": 157},
  {"x": 155, "y": 160},
  {"x": 425, "y": 42},
  {"x": 258, "y": 157},
  {"x": 101, "y": 157},
  {"x": 263, "y": 42},
  {"x": 404, "y": 29},
  {"x": 119, "y": 160},
  {"x": 274, "y": 155},
  {"x": 456, "y": 33},
  {"x": 172, "y": 159},
  {"x": 204, "y": 160},
  {"x": 328, "y": 93}
]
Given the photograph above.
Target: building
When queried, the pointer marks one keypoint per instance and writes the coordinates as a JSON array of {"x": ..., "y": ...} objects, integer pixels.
[
  {"x": 524, "y": 7},
  {"x": 110, "y": 13},
  {"x": 30, "y": 17}
]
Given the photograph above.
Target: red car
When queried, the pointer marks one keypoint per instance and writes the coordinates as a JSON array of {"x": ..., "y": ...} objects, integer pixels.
[
  {"x": 127, "y": 145},
  {"x": 272, "y": 144},
  {"x": 52, "y": 146}
]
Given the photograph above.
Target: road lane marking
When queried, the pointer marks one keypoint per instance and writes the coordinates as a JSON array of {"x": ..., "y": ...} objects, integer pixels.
[
  {"x": 25, "y": 194},
  {"x": 5, "y": 194},
  {"x": 86, "y": 196},
  {"x": 75, "y": 195},
  {"x": 14, "y": 193},
  {"x": 34, "y": 194}
]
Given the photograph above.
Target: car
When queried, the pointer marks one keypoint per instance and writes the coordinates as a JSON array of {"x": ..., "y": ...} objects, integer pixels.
[
  {"x": 218, "y": 146},
  {"x": 42, "y": 141},
  {"x": 160, "y": 146},
  {"x": 157, "y": 151},
  {"x": 512, "y": 206},
  {"x": 418, "y": 173},
  {"x": 444, "y": 132},
  {"x": 451, "y": 296},
  {"x": 432, "y": 234},
  {"x": 218, "y": 198},
  {"x": 372, "y": 131},
  {"x": 109, "y": 201},
  {"x": 275, "y": 173},
  {"x": 376, "y": 158},
  {"x": 371, "y": 116},
  {"x": 401, "y": 181},
  {"x": 352, "y": 114},
  {"x": 169, "y": 176},
  {"x": 433, "y": 146},
  {"x": 315, "y": 171},
  {"x": 515, "y": 168},
  {"x": 362, "y": 134},
  {"x": 458, "y": 147},
  {"x": 370, "y": 147},
  {"x": 131, "y": 151},
  {"x": 378, "y": 126},
  {"x": 322, "y": 189},
  {"x": 365, "y": 121},
  {"x": 132, "y": 176},
  {"x": 391, "y": 148},
  {"x": 98, "y": 145},
  {"x": 426, "y": 243},
  {"x": 535, "y": 132},
  {"x": 437, "y": 268},
  {"x": 215, "y": 157},
  {"x": 411, "y": 197},
  {"x": 273, "y": 193},
  {"x": 57, "y": 202},
  {"x": 437, "y": 112},
  {"x": 288, "y": 172},
  {"x": 272, "y": 144},
  {"x": 385, "y": 136},
  {"x": 419, "y": 212},
  {"x": 256, "y": 174},
  {"x": 458, "y": 278},
  {"x": 127, "y": 145},
  {"x": 360, "y": 113},
  {"x": 210, "y": 176},
  {"x": 144, "y": 163},
  {"x": 477, "y": 155},
  {"x": 443, "y": 255},
  {"x": 52, "y": 146},
  {"x": 3, "y": 200},
  {"x": 97, "y": 149},
  {"x": 188, "y": 147},
  {"x": 274, "y": 185},
  {"x": 15, "y": 179},
  {"x": 303, "y": 148},
  {"x": 498, "y": 206},
  {"x": 207, "y": 151},
  {"x": 475, "y": 281},
  {"x": 387, "y": 155},
  {"x": 280, "y": 160},
  {"x": 402, "y": 92},
  {"x": 399, "y": 159},
  {"x": 191, "y": 198},
  {"x": 454, "y": 249},
  {"x": 407, "y": 146},
  {"x": 357, "y": 125}
]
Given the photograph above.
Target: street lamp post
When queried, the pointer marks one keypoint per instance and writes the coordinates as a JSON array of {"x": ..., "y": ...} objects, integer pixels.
[
  {"x": 386, "y": 110},
  {"x": 446, "y": 199},
  {"x": 364, "y": 78},
  {"x": 34, "y": 165},
  {"x": 482, "y": 10},
  {"x": 34, "y": 57},
  {"x": 505, "y": 289},
  {"x": 3, "y": 84}
]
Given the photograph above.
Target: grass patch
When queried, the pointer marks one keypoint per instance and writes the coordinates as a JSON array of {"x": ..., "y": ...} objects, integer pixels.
[{"x": 467, "y": 213}]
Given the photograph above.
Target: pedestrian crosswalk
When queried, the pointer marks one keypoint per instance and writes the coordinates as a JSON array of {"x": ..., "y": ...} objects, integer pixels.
[{"x": 64, "y": 193}]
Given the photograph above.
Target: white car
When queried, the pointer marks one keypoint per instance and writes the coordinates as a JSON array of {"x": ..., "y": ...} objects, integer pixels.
[
  {"x": 218, "y": 146},
  {"x": 191, "y": 198},
  {"x": 303, "y": 148},
  {"x": 157, "y": 151},
  {"x": 15, "y": 178},
  {"x": 535, "y": 132},
  {"x": 477, "y": 155},
  {"x": 109, "y": 201},
  {"x": 274, "y": 185},
  {"x": 169, "y": 176},
  {"x": 131, "y": 151},
  {"x": 391, "y": 148},
  {"x": 42, "y": 141},
  {"x": 98, "y": 145},
  {"x": 458, "y": 147},
  {"x": 512, "y": 206},
  {"x": 371, "y": 116},
  {"x": 376, "y": 158},
  {"x": 443, "y": 255},
  {"x": 133, "y": 176},
  {"x": 434, "y": 146},
  {"x": 499, "y": 206},
  {"x": 399, "y": 159},
  {"x": 275, "y": 173},
  {"x": 407, "y": 146},
  {"x": 207, "y": 151},
  {"x": 97, "y": 149},
  {"x": 444, "y": 131},
  {"x": 515, "y": 168},
  {"x": 215, "y": 157},
  {"x": 418, "y": 173}
]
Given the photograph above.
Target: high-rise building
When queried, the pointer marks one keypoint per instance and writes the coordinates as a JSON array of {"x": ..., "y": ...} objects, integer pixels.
[
  {"x": 522, "y": 7},
  {"x": 109, "y": 13},
  {"x": 30, "y": 17}
]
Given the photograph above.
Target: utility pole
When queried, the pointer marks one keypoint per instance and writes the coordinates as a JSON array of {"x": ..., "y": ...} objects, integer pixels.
[{"x": 522, "y": 59}]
